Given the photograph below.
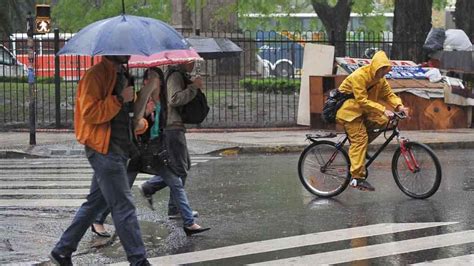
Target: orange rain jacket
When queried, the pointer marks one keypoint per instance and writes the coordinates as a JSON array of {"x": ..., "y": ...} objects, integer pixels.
[
  {"x": 367, "y": 102},
  {"x": 96, "y": 106}
]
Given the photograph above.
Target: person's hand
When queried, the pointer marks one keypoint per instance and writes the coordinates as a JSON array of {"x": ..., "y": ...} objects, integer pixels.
[
  {"x": 128, "y": 95},
  {"x": 404, "y": 109},
  {"x": 141, "y": 126},
  {"x": 197, "y": 81},
  {"x": 150, "y": 107},
  {"x": 389, "y": 114}
]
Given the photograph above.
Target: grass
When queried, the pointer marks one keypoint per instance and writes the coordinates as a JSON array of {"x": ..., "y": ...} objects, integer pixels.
[{"x": 230, "y": 106}]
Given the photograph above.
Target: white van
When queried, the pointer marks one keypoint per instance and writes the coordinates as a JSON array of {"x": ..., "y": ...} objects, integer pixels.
[{"x": 9, "y": 65}]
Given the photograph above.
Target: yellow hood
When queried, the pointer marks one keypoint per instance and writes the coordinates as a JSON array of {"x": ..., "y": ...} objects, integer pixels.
[
  {"x": 358, "y": 83},
  {"x": 379, "y": 60}
]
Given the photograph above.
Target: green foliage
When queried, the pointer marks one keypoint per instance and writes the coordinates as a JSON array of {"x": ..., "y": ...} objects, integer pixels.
[
  {"x": 271, "y": 85},
  {"x": 24, "y": 79},
  {"x": 264, "y": 8},
  {"x": 372, "y": 13},
  {"x": 440, "y": 4},
  {"x": 73, "y": 15},
  {"x": 373, "y": 23}
]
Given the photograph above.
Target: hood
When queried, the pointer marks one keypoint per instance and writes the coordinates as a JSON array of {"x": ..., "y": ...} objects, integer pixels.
[{"x": 379, "y": 60}]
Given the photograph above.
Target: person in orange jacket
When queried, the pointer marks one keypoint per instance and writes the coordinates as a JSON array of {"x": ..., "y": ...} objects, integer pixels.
[
  {"x": 103, "y": 124},
  {"x": 150, "y": 93},
  {"x": 364, "y": 111}
]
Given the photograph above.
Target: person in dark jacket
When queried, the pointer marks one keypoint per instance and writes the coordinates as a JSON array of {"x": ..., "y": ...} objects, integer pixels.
[{"x": 180, "y": 89}]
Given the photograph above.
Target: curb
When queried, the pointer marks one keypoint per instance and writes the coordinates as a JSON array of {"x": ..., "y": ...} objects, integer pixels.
[
  {"x": 17, "y": 154},
  {"x": 235, "y": 150},
  {"x": 299, "y": 148}
]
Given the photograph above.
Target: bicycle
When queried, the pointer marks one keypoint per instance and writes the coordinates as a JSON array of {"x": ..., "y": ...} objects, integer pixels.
[{"x": 323, "y": 166}]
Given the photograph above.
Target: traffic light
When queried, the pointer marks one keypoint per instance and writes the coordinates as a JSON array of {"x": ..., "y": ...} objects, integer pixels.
[{"x": 43, "y": 19}]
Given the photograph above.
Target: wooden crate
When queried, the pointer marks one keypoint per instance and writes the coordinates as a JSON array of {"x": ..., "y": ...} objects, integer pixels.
[{"x": 432, "y": 113}]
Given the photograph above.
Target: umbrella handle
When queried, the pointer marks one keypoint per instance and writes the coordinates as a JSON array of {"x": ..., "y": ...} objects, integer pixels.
[{"x": 198, "y": 67}]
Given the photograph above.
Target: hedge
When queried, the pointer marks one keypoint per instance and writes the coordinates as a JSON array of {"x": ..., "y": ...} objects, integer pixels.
[
  {"x": 24, "y": 79},
  {"x": 271, "y": 85}
]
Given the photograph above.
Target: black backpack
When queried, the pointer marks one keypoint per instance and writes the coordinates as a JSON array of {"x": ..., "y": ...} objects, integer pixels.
[{"x": 195, "y": 111}]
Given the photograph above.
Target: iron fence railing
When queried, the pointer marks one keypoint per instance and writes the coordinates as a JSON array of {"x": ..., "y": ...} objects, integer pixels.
[{"x": 259, "y": 88}]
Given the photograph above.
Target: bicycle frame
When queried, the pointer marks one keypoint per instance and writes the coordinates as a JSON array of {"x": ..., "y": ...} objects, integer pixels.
[
  {"x": 407, "y": 154},
  {"x": 371, "y": 159}
]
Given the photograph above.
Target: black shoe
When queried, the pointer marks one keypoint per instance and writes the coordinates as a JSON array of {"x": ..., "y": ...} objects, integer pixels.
[
  {"x": 149, "y": 198},
  {"x": 102, "y": 234},
  {"x": 361, "y": 184},
  {"x": 61, "y": 260},
  {"x": 190, "y": 232}
]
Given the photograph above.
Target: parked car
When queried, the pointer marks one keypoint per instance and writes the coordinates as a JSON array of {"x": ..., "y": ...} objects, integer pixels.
[
  {"x": 9, "y": 65},
  {"x": 282, "y": 56}
]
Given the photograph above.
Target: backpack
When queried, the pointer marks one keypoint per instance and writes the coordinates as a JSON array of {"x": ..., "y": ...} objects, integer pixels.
[
  {"x": 332, "y": 104},
  {"x": 196, "y": 110},
  {"x": 335, "y": 101}
]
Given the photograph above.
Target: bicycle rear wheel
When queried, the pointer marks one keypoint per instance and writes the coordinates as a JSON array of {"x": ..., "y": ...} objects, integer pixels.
[
  {"x": 419, "y": 174},
  {"x": 323, "y": 169}
]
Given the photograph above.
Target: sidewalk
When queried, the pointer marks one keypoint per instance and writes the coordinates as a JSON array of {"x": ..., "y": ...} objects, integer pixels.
[{"x": 52, "y": 144}]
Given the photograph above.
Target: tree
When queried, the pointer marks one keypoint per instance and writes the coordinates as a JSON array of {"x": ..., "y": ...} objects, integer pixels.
[
  {"x": 411, "y": 24},
  {"x": 335, "y": 19},
  {"x": 73, "y": 15},
  {"x": 13, "y": 15},
  {"x": 463, "y": 17}
]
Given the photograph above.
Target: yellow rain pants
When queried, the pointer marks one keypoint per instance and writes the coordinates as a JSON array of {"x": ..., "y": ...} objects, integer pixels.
[{"x": 359, "y": 139}]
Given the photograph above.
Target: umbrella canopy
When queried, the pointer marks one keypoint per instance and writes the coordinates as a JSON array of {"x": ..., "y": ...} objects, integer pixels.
[
  {"x": 171, "y": 57},
  {"x": 214, "y": 48},
  {"x": 125, "y": 35}
]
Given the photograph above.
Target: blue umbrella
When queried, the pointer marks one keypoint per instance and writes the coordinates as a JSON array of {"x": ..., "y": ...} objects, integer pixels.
[{"x": 125, "y": 35}]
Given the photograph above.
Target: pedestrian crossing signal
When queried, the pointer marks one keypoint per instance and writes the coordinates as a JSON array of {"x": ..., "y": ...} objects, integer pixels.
[{"x": 43, "y": 19}]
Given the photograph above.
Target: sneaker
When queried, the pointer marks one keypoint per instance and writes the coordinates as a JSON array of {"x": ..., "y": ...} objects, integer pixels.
[
  {"x": 178, "y": 215},
  {"x": 149, "y": 198},
  {"x": 361, "y": 184},
  {"x": 59, "y": 259}
]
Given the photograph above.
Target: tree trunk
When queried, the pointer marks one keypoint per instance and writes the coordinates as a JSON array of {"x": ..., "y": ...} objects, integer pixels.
[
  {"x": 181, "y": 18},
  {"x": 463, "y": 17},
  {"x": 210, "y": 13},
  {"x": 13, "y": 16},
  {"x": 335, "y": 20},
  {"x": 411, "y": 24}
]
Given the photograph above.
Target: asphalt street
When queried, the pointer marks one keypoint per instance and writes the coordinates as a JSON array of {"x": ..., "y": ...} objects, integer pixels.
[{"x": 258, "y": 211}]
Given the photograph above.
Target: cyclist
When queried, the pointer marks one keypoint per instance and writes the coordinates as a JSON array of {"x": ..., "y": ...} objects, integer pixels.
[{"x": 364, "y": 111}]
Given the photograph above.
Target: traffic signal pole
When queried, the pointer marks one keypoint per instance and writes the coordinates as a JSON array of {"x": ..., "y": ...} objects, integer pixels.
[{"x": 31, "y": 77}]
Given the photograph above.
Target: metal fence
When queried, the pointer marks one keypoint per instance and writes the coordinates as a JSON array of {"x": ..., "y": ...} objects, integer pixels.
[{"x": 259, "y": 88}]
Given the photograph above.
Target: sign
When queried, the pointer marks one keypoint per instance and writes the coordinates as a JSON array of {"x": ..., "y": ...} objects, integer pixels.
[
  {"x": 401, "y": 69},
  {"x": 43, "y": 19},
  {"x": 43, "y": 25}
]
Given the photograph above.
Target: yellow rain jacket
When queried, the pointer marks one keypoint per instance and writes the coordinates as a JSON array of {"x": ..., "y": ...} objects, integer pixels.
[{"x": 367, "y": 102}]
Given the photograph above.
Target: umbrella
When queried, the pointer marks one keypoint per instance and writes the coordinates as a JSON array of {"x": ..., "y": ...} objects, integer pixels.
[
  {"x": 171, "y": 57},
  {"x": 214, "y": 48},
  {"x": 125, "y": 35}
]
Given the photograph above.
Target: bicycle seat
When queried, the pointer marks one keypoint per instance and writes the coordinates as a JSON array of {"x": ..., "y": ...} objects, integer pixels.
[{"x": 320, "y": 135}]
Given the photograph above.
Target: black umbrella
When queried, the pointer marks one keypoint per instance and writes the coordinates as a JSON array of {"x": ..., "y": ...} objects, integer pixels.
[{"x": 214, "y": 48}]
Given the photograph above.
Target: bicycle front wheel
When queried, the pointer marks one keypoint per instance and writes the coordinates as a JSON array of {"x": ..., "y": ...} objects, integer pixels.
[
  {"x": 416, "y": 171},
  {"x": 324, "y": 169}
]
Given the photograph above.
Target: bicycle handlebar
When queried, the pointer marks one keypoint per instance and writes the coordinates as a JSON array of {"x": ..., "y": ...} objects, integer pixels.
[{"x": 399, "y": 115}]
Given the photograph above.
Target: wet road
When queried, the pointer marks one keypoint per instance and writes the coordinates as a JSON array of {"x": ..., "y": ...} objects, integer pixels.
[{"x": 246, "y": 199}]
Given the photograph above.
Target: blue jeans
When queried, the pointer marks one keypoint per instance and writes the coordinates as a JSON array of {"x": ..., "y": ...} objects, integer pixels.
[
  {"x": 102, "y": 214},
  {"x": 109, "y": 187},
  {"x": 178, "y": 196}
]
